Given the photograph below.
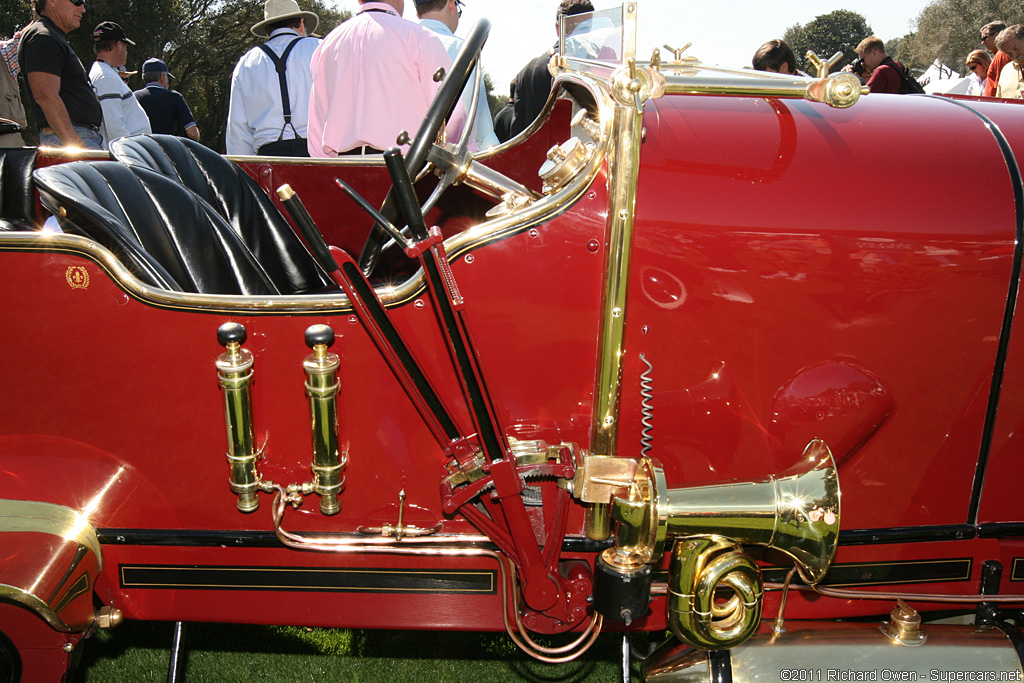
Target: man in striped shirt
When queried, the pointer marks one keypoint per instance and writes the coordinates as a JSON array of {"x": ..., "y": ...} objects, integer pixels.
[{"x": 122, "y": 113}]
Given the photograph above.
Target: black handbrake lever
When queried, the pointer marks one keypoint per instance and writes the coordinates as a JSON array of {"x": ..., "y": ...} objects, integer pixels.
[
  {"x": 378, "y": 218},
  {"x": 314, "y": 238},
  {"x": 428, "y": 245},
  {"x": 405, "y": 194}
]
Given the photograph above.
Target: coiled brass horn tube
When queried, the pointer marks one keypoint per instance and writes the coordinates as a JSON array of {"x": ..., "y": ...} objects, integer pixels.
[{"x": 697, "y": 614}]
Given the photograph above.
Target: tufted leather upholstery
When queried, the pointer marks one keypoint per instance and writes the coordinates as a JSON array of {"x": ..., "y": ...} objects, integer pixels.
[
  {"x": 17, "y": 198},
  {"x": 160, "y": 230},
  {"x": 237, "y": 198}
]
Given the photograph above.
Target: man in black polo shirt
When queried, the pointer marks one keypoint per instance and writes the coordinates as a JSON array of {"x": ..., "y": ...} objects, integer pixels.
[
  {"x": 62, "y": 99},
  {"x": 167, "y": 110}
]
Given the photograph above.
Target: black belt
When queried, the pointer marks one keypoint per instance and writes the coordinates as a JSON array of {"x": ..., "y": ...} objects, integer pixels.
[
  {"x": 362, "y": 149},
  {"x": 47, "y": 130}
]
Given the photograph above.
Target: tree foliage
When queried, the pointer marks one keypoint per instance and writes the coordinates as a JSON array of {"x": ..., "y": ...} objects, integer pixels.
[
  {"x": 201, "y": 41},
  {"x": 826, "y": 34},
  {"x": 947, "y": 30}
]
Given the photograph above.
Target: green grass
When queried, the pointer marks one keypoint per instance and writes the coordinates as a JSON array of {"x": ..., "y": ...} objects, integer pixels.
[{"x": 137, "y": 652}]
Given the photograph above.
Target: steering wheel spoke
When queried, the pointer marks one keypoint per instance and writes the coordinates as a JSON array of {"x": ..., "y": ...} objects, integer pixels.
[{"x": 440, "y": 111}]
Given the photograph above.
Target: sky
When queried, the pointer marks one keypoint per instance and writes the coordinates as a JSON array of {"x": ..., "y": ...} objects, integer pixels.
[{"x": 724, "y": 33}]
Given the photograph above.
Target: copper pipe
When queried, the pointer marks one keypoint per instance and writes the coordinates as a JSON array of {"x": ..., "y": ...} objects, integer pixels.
[
  {"x": 421, "y": 547},
  {"x": 922, "y": 597}
]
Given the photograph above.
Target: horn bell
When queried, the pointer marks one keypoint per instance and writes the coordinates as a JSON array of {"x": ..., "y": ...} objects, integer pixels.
[{"x": 796, "y": 512}]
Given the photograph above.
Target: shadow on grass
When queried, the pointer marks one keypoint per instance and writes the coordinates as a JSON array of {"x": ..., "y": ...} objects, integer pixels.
[{"x": 140, "y": 651}]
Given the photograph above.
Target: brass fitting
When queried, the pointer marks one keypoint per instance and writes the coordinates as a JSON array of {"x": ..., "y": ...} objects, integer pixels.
[
  {"x": 904, "y": 626},
  {"x": 108, "y": 617},
  {"x": 600, "y": 478},
  {"x": 235, "y": 372},
  {"x": 322, "y": 387}
]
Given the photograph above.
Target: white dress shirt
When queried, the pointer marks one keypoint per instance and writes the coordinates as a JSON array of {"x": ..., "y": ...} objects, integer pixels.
[
  {"x": 483, "y": 127},
  {"x": 976, "y": 84},
  {"x": 256, "y": 113},
  {"x": 122, "y": 113}
]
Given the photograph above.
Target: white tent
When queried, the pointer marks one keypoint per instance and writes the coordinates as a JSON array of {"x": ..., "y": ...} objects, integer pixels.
[
  {"x": 939, "y": 78},
  {"x": 948, "y": 86}
]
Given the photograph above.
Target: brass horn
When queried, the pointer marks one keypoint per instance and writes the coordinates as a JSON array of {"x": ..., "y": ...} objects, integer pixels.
[{"x": 715, "y": 590}]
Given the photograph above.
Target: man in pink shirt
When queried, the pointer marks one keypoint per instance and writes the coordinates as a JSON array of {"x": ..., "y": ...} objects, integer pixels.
[{"x": 372, "y": 79}]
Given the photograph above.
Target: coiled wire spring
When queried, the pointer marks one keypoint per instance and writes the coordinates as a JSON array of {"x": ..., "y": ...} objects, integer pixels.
[{"x": 646, "y": 406}]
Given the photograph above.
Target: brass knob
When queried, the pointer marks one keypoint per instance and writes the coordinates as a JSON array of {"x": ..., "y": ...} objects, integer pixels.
[{"x": 904, "y": 626}]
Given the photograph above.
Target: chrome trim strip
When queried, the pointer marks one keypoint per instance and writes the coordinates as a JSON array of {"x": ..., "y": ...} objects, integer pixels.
[{"x": 1009, "y": 312}]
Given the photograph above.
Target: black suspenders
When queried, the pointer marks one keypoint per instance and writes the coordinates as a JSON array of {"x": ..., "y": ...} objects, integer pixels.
[{"x": 280, "y": 63}]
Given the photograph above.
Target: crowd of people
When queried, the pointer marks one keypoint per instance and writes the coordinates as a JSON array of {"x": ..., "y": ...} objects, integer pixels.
[
  {"x": 995, "y": 71},
  {"x": 292, "y": 95}
]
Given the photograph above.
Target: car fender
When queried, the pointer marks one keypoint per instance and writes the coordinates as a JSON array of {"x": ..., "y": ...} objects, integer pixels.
[{"x": 51, "y": 560}]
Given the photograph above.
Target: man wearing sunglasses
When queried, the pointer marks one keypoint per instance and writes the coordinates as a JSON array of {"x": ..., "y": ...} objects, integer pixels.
[
  {"x": 62, "y": 99},
  {"x": 999, "y": 59},
  {"x": 442, "y": 18}
]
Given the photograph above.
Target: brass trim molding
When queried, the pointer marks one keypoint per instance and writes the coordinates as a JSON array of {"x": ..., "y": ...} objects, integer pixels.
[
  {"x": 34, "y": 604},
  {"x": 692, "y": 78},
  {"x": 348, "y": 160},
  {"x": 47, "y": 518}
]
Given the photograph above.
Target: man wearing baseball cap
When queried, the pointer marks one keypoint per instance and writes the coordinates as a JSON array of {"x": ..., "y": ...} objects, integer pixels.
[
  {"x": 269, "y": 108},
  {"x": 167, "y": 110},
  {"x": 122, "y": 113}
]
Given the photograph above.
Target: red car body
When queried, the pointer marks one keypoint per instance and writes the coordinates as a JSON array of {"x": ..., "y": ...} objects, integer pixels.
[{"x": 796, "y": 271}]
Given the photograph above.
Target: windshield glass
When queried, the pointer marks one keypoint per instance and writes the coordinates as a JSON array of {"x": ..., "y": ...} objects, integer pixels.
[{"x": 593, "y": 36}]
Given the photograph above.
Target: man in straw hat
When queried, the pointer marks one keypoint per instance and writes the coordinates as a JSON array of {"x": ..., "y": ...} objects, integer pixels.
[
  {"x": 122, "y": 113},
  {"x": 269, "y": 108}
]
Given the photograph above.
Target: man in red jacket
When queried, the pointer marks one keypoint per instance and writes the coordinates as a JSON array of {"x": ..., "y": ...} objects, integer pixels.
[
  {"x": 886, "y": 74},
  {"x": 999, "y": 59}
]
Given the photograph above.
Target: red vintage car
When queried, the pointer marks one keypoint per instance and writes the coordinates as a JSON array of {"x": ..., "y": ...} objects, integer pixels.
[{"x": 610, "y": 375}]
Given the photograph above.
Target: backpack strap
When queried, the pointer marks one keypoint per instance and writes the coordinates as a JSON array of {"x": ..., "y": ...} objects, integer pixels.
[
  {"x": 910, "y": 83},
  {"x": 281, "y": 64}
]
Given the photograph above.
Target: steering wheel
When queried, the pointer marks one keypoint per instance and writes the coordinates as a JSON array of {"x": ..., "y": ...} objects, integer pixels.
[{"x": 439, "y": 112}]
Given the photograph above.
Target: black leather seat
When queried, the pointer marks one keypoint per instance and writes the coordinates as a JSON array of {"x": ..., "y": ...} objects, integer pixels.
[
  {"x": 160, "y": 230},
  {"x": 17, "y": 196},
  {"x": 238, "y": 199}
]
